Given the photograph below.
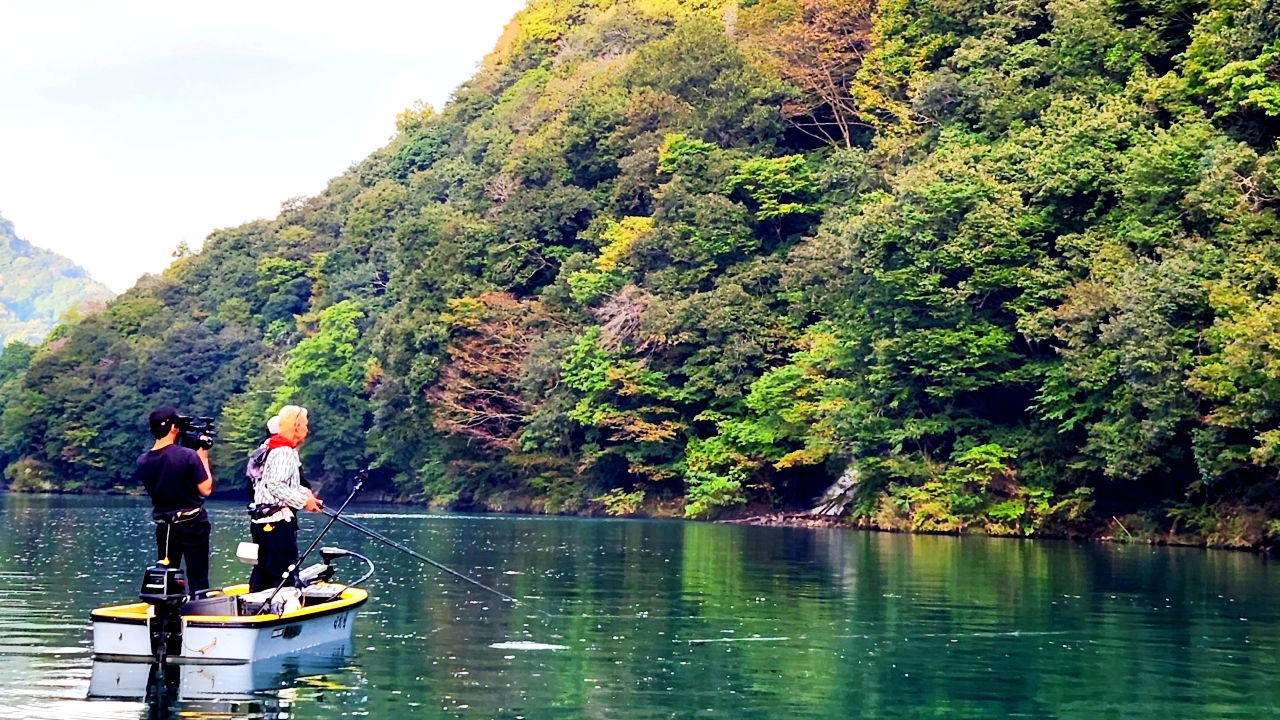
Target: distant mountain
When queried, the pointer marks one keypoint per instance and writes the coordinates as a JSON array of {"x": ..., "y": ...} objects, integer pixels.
[{"x": 38, "y": 286}]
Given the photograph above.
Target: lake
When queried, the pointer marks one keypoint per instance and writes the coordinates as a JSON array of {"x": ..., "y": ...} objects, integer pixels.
[{"x": 663, "y": 619}]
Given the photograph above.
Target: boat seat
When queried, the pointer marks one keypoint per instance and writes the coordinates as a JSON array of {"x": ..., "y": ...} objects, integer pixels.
[
  {"x": 251, "y": 603},
  {"x": 313, "y": 594}
]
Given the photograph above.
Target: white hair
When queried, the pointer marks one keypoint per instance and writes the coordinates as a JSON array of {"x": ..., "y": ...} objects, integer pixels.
[{"x": 273, "y": 425}]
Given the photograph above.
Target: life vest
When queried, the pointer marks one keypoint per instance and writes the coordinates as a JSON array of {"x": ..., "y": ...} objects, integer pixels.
[{"x": 257, "y": 464}]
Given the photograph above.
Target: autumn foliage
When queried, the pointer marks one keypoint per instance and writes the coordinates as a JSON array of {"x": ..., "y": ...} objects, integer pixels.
[
  {"x": 477, "y": 395},
  {"x": 819, "y": 47}
]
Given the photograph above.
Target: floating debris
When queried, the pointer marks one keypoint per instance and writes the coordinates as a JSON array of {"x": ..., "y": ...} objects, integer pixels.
[
  {"x": 746, "y": 639},
  {"x": 525, "y": 645}
]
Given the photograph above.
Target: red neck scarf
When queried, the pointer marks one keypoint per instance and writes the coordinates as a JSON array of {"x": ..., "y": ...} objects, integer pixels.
[{"x": 279, "y": 441}]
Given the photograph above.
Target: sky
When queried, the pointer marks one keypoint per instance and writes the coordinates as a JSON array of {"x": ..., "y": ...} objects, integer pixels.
[{"x": 129, "y": 127}]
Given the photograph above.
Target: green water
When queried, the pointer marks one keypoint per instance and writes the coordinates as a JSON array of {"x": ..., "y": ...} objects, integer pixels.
[{"x": 668, "y": 619}]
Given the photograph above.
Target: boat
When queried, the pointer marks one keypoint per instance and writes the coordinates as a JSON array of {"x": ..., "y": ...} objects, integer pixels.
[{"x": 229, "y": 624}]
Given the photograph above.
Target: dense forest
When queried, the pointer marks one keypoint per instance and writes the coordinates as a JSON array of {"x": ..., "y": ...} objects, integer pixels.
[
  {"x": 1007, "y": 267},
  {"x": 38, "y": 287}
]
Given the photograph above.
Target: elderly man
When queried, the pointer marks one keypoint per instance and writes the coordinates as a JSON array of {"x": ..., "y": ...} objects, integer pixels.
[{"x": 276, "y": 498}]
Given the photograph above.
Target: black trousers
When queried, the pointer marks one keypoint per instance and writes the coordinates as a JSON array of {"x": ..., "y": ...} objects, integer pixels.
[
  {"x": 277, "y": 550},
  {"x": 186, "y": 543}
]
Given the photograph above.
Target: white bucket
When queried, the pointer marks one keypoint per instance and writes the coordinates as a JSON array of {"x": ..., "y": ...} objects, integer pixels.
[{"x": 247, "y": 552}]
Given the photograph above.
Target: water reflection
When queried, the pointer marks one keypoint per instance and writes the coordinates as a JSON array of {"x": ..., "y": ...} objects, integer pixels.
[
  {"x": 639, "y": 620},
  {"x": 262, "y": 689}
]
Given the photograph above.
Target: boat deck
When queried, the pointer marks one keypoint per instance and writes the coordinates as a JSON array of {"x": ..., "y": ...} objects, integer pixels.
[{"x": 138, "y": 613}]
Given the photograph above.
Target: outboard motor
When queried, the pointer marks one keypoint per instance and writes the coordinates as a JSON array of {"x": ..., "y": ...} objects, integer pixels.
[{"x": 165, "y": 589}]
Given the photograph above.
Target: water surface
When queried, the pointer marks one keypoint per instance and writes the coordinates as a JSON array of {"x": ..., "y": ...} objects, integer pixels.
[{"x": 657, "y": 619}]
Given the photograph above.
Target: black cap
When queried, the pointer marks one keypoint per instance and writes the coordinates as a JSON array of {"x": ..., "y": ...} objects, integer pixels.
[{"x": 161, "y": 420}]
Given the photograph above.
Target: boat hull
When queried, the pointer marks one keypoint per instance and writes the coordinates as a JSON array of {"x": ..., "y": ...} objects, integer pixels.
[{"x": 123, "y": 632}]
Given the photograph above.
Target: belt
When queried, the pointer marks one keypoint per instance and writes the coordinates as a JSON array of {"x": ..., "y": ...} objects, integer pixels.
[
  {"x": 175, "y": 517},
  {"x": 258, "y": 511}
]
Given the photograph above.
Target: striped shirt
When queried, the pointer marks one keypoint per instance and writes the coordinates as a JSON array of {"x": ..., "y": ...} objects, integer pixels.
[{"x": 280, "y": 485}]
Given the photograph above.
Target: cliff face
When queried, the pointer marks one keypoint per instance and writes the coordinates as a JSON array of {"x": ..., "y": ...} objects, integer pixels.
[
  {"x": 37, "y": 287},
  {"x": 1005, "y": 267}
]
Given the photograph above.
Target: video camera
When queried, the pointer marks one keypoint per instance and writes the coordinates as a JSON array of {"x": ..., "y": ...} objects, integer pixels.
[{"x": 196, "y": 432}]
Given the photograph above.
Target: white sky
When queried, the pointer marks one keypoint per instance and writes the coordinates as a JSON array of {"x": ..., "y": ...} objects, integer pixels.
[{"x": 127, "y": 127}]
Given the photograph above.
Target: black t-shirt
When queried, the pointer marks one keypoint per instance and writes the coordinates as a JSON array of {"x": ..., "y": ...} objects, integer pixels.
[{"x": 170, "y": 476}]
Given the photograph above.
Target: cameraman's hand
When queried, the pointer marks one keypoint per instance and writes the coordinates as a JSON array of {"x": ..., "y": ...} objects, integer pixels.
[{"x": 205, "y": 488}]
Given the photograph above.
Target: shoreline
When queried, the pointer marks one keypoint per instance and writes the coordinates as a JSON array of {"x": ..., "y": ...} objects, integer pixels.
[
  {"x": 798, "y": 519},
  {"x": 804, "y": 520}
]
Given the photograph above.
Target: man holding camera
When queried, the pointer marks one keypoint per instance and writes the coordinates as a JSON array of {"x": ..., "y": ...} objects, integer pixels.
[{"x": 178, "y": 479}]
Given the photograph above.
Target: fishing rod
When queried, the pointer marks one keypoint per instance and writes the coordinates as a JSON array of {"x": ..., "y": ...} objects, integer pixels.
[
  {"x": 360, "y": 478},
  {"x": 408, "y": 551}
]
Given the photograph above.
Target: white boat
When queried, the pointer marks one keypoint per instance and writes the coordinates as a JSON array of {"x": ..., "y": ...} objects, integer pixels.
[{"x": 230, "y": 624}]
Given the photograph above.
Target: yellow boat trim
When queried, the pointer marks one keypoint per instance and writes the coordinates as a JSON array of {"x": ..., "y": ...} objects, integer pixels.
[
  {"x": 350, "y": 597},
  {"x": 142, "y": 611}
]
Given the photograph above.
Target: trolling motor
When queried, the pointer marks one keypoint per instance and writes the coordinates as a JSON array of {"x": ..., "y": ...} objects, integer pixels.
[
  {"x": 165, "y": 589},
  {"x": 323, "y": 571}
]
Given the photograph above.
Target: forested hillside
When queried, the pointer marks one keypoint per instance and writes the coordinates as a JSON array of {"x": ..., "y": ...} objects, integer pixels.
[
  {"x": 37, "y": 287},
  {"x": 1010, "y": 267}
]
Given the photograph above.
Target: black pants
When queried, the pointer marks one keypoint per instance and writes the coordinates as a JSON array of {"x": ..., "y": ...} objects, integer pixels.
[
  {"x": 187, "y": 543},
  {"x": 277, "y": 550}
]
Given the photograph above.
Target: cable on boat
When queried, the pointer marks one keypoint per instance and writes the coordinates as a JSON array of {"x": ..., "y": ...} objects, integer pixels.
[{"x": 439, "y": 566}]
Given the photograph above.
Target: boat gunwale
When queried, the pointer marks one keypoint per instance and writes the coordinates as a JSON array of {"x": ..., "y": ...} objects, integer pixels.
[
  {"x": 352, "y": 597},
  {"x": 118, "y": 619}
]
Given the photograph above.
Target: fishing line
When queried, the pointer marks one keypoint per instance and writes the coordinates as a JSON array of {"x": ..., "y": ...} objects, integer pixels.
[{"x": 439, "y": 566}]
